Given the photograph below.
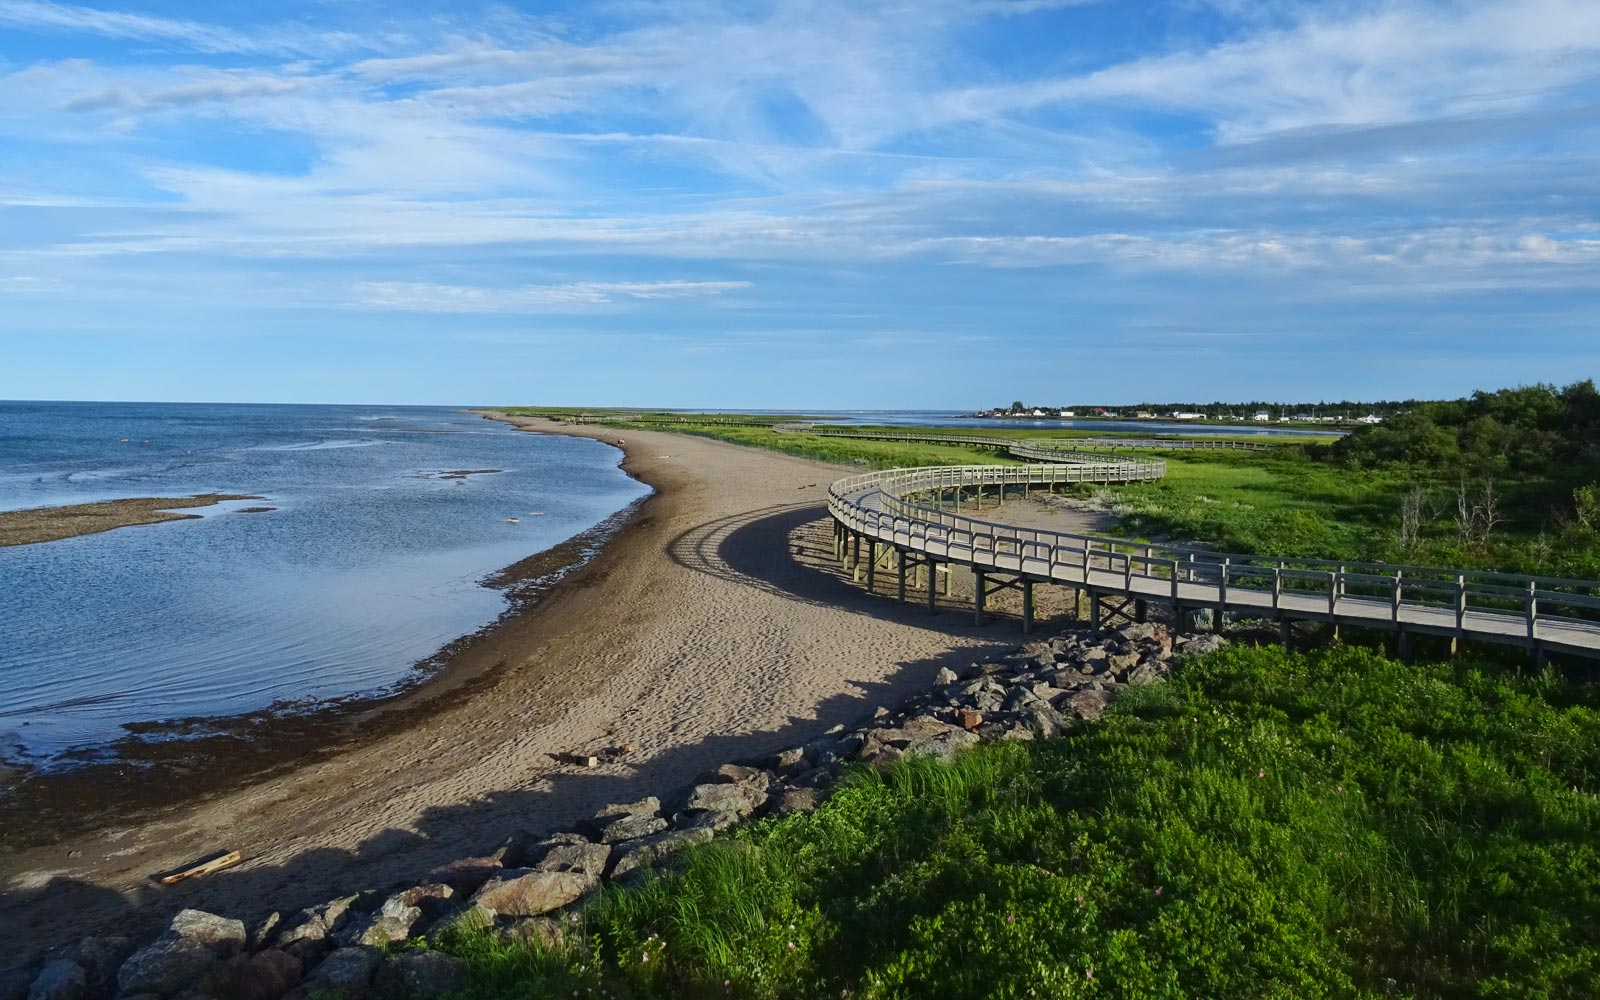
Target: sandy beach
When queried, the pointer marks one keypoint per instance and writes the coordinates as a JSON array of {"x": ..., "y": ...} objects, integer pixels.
[
  {"x": 49, "y": 524},
  {"x": 713, "y": 627}
]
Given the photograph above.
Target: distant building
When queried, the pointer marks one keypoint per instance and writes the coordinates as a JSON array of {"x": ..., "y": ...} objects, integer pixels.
[
  {"x": 1069, "y": 413},
  {"x": 1186, "y": 415},
  {"x": 1040, "y": 413},
  {"x": 1371, "y": 418},
  {"x": 1263, "y": 415},
  {"x": 1143, "y": 415}
]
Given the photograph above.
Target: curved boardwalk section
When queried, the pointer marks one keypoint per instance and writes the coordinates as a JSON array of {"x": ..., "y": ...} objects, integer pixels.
[{"x": 911, "y": 519}]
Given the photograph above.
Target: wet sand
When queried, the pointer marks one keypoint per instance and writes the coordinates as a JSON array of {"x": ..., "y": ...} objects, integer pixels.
[
  {"x": 712, "y": 627},
  {"x": 49, "y": 524}
]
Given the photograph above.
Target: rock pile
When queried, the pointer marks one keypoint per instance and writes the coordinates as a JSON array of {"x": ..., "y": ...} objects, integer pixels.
[{"x": 1037, "y": 691}]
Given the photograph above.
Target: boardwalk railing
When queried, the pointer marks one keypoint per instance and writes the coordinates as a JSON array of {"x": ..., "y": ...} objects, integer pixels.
[{"x": 903, "y": 508}]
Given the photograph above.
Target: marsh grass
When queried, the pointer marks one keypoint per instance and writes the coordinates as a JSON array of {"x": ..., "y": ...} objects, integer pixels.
[{"x": 1331, "y": 824}]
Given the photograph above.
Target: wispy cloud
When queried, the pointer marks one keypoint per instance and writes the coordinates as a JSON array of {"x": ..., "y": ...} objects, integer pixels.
[{"x": 428, "y": 297}]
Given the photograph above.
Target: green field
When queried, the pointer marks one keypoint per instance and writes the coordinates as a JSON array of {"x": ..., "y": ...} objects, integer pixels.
[{"x": 1266, "y": 824}]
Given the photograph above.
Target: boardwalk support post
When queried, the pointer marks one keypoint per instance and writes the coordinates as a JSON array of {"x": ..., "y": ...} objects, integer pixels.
[
  {"x": 1027, "y": 606},
  {"x": 979, "y": 592},
  {"x": 932, "y": 569},
  {"x": 900, "y": 568},
  {"x": 872, "y": 561}
]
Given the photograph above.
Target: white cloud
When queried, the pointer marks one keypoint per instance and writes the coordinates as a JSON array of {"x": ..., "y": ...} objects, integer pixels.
[
  {"x": 429, "y": 297},
  {"x": 49, "y": 16}
]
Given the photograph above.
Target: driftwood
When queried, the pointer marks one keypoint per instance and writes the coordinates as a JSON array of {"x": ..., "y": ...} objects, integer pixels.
[{"x": 214, "y": 864}]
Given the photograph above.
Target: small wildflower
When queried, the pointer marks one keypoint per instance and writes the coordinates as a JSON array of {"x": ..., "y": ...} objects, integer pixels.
[
  {"x": 1158, "y": 890},
  {"x": 1011, "y": 918},
  {"x": 644, "y": 957},
  {"x": 1088, "y": 973},
  {"x": 791, "y": 945},
  {"x": 1261, "y": 774}
]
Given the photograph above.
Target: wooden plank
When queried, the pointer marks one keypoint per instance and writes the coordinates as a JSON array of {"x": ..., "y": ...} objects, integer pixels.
[{"x": 227, "y": 859}]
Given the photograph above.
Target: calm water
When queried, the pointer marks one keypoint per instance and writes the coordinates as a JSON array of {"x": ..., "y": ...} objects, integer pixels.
[{"x": 370, "y": 562}]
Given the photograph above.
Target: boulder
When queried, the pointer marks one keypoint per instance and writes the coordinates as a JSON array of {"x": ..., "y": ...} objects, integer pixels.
[
  {"x": 421, "y": 973},
  {"x": 797, "y": 800},
  {"x": 14, "y": 983},
  {"x": 527, "y": 892},
  {"x": 790, "y": 762},
  {"x": 715, "y": 820},
  {"x": 631, "y": 827},
  {"x": 1116, "y": 663},
  {"x": 261, "y": 935},
  {"x": 1089, "y": 704},
  {"x": 100, "y": 958},
  {"x": 1199, "y": 644},
  {"x": 1148, "y": 672},
  {"x": 315, "y": 924},
  {"x": 588, "y": 859},
  {"x": 166, "y": 966},
  {"x": 942, "y": 745},
  {"x": 968, "y": 719},
  {"x": 736, "y": 798},
  {"x": 60, "y": 979},
  {"x": 472, "y": 916},
  {"x": 346, "y": 972},
  {"x": 944, "y": 677},
  {"x": 545, "y": 932},
  {"x": 1043, "y": 721},
  {"x": 736, "y": 774},
  {"x": 272, "y": 974},
  {"x": 464, "y": 875},
  {"x": 646, "y": 851},
  {"x": 647, "y": 806},
  {"x": 224, "y": 936}
]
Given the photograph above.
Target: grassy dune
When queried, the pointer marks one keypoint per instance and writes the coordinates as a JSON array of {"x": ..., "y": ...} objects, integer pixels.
[{"x": 1265, "y": 825}]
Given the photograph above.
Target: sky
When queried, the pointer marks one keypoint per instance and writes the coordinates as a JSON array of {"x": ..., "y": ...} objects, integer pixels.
[{"x": 866, "y": 204}]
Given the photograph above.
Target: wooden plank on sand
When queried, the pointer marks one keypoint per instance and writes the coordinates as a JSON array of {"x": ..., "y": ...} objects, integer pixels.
[{"x": 206, "y": 867}]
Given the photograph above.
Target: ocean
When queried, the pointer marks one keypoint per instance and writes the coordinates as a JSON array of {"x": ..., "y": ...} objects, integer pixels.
[{"x": 371, "y": 560}]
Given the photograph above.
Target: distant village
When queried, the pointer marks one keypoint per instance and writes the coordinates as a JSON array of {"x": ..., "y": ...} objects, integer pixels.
[{"x": 1344, "y": 413}]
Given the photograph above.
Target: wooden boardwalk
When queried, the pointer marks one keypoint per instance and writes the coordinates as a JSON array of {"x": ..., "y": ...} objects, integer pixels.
[{"x": 910, "y": 521}]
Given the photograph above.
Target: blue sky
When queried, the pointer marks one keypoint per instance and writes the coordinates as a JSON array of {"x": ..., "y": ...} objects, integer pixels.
[{"x": 878, "y": 203}]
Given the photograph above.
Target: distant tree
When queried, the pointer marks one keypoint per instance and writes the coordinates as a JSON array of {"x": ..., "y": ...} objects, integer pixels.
[{"x": 1017, "y": 407}]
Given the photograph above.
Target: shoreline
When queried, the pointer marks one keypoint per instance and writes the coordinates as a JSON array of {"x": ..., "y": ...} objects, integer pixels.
[
  {"x": 133, "y": 776},
  {"x": 713, "y": 626},
  {"x": 37, "y": 525}
]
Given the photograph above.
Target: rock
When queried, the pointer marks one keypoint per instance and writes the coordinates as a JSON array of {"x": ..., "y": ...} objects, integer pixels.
[
  {"x": 942, "y": 745},
  {"x": 797, "y": 800},
  {"x": 224, "y": 936},
  {"x": 464, "y": 875},
  {"x": 1116, "y": 663},
  {"x": 421, "y": 973},
  {"x": 735, "y": 798},
  {"x": 315, "y": 924},
  {"x": 648, "y": 806},
  {"x": 736, "y": 774},
  {"x": 817, "y": 777},
  {"x": 272, "y": 974},
  {"x": 968, "y": 719},
  {"x": 14, "y": 984},
  {"x": 631, "y": 827},
  {"x": 647, "y": 850},
  {"x": 61, "y": 979},
  {"x": 1200, "y": 644},
  {"x": 1089, "y": 704},
  {"x": 1018, "y": 697},
  {"x": 346, "y": 972},
  {"x": 715, "y": 820},
  {"x": 790, "y": 762},
  {"x": 1045, "y": 722},
  {"x": 588, "y": 859},
  {"x": 1146, "y": 673},
  {"x": 100, "y": 958},
  {"x": 472, "y": 916},
  {"x": 378, "y": 929},
  {"x": 1140, "y": 631},
  {"x": 542, "y": 931},
  {"x": 944, "y": 677},
  {"x": 265, "y": 928},
  {"x": 1094, "y": 658},
  {"x": 166, "y": 966},
  {"x": 526, "y": 892}
]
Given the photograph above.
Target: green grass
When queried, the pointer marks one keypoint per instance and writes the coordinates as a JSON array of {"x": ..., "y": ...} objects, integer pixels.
[{"x": 1265, "y": 825}]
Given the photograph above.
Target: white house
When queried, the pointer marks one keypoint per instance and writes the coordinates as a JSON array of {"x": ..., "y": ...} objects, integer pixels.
[
  {"x": 1371, "y": 418},
  {"x": 1069, "y": 413},
  {"x": 1263, "y": 415},
  {"x": 1185, "y": 415}
]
